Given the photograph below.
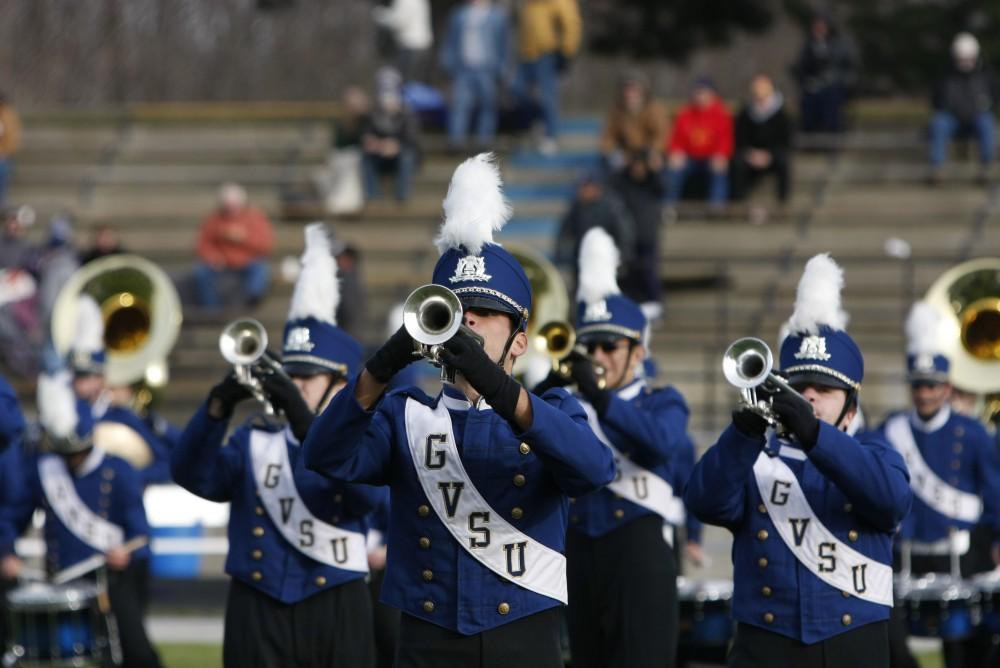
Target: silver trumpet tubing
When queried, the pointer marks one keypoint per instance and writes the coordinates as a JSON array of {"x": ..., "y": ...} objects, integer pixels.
[
  {"x": 432, "y": 315},
  {"x": 748, "y": 365},
  {"x": 243, "y": 343}
]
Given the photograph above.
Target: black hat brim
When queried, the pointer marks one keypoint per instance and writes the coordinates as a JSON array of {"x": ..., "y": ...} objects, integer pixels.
[{"x": 817, "y": 378}]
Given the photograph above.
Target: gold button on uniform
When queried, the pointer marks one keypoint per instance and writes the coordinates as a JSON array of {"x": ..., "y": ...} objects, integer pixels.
[
  {"x": 105, "y": 488},
  {"x": 517, "y": 513},
  {"x": 846, "y": 620},
  {"x": 957, "y": 448},
  {"x": 762, "y": 562},
  {"x": 848, "y": 507},
  {"x": 852, "y": 535},
  {"x": 109, "y": 474},
  {"x": 519, "y": 480},
  {"x": 503, "y": 608},
  {"x": 320, "y": 581},
  {"x": 768, "y": 618},
  {"x": 955, "y": 464},
  {"x": 574, "y": 519},
  {"x": 765, "y": 590},
  {"x": 423, "y": 511},
  {"x": 428, "y": 606},
  {"x": 425, "y": 542},
  {"x": 846, "y": 594},
  {"x": 619, "y": 514},
  {"x": 258, "y": 531},
  {"x": 337, "y": 498},
  {"x": 427, "y": 575},
  {"x": 256, "y": 576},
  {"x": 256, "y": 555},
  {"x": 524, "y": 448},
  {"x": 762, "y": 534},
  {"x": 259, "y": 510},
  {"x": 762, "y": 508},
  {"x": 959, "y": 432}
]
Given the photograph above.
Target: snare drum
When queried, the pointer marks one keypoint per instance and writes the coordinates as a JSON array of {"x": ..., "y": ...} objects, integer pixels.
[
  {"x": 940, "y": 606},
  {"x": 55, "y": 626},
  {"x": 706, "y": 618},
  {"x": 988, "y": 585}
]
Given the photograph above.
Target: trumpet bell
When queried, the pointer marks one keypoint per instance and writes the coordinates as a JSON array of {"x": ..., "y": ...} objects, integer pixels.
[
  {"x": 243, "y": 341},
  {"x": 432, "y": 314},
  {"x": 747, "y": 362},
  {"x": 555, "y": 339}
]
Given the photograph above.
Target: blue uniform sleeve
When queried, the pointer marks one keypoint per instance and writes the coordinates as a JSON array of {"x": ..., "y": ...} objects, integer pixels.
[
  {"x": 16, "y": 512},
  {"x": 872, "y": 475},
  {"x": 988, "y": 479},
  {"x": 716, "y": 492},
  {"x": 346, "y": 442},
  {"x": 562, "y": 438},
  {"x": 201, "y": 465},
  {"x": 11, "y": 419},
  {"x": 654, "y": 429},
  {"x": 681, "y": 467},
  {"x": 129, "y": 488}
]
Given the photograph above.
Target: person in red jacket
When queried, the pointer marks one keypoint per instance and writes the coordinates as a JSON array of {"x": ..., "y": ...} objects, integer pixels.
[
  {"x": 701, "y": 140},
  {"x": 236, "y": 238}
]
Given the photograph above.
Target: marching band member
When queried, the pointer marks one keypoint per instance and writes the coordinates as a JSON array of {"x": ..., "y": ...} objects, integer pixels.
[
  {"x": 480, "y": 474},
  {"x": 622, "y": 573},
  {"x": 297, "y": 554},
  {"x": 93, "y": 504},
  {"x": 812, "y": 515},
  {"x": 954, "y": 469}
]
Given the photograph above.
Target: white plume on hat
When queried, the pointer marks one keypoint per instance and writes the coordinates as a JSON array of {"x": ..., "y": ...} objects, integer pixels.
[
  {"x": 598, "y": 264},
  {"x": 475, "y": 206},
  {"x": 317, "y": 290},
  {"x": 57, "y": 404},
  {"x": 923, "y": 330},
  {"x": 89, "y": 326},
  {"x": 817, "y": 301}
]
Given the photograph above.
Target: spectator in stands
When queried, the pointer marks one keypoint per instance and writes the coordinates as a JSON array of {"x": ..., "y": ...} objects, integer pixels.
[
  {"x": 637, "y": 123},
  {"x": 763, "y": 140},
  {"x": 964, "y": 103},
  {"x": 106, "y": 242},
  {"x": 701, "y": 141},
  {"x": 10, "y": 142},
  {"x": 352, "y": 310},
  {"x": 640, "y": 188},
  {"x": 549, "y": 34},
  {"x": 236, "y": 238},
  {"x": 409, "y": 21},
  {"x": 389, "y": 138},
  {"x": 347, "y": 126},
  {"x": 826, "y": 70},
  {"x": 54, "y": 262},
  {"x": 15, "y": 250},
  {"x": 338, "y": 182},
  {"x": 594, "y": 205},
  {"x": 474, "y": 53},
  {"x": 21, "y": 329}
]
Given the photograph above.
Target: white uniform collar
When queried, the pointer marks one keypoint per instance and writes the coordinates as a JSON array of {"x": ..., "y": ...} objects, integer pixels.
[
  {"x": 939, "y": 420},
  {"x": 632, "y": 390},
  {"x": 454, "y": 400},
  {"x": 90, "y": 464}
]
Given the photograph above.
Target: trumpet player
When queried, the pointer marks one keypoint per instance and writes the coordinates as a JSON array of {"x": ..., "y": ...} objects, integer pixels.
[
  {"x": 297, "y": 554},
  {"x": 813, "y": 511},
  {"x": 622, "y": 573},
  {"x": 480, "y": 474}
]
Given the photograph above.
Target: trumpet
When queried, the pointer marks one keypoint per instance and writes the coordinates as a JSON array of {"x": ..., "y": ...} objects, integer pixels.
[
  {"x": 557, "y": 339},
  {"x": 748, "y": 365},
  {"x": 432, "y": 315},
  {"x": 243, "y": 343}
]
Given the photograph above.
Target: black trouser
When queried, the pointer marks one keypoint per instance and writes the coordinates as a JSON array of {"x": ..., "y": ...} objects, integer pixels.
[
  {"x": 332, "y": 629},
  {"x": 529, "y": 642},
  {"x": 864, "y": 647},
  {"x": 386, "y": 619},
  {"x": 622, "y": 597},
  {"x": 128, "y": 592},
  {"x": 746, "y": 175}
]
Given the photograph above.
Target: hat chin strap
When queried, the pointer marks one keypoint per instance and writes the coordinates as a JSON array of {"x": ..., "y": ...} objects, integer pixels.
[
  {"x": 506, "y": 347},
  {"x": 851, "y": 398}
]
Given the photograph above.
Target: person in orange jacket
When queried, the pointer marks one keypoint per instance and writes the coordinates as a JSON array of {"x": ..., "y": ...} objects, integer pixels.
[
  {"x": 10, "y": 141},
  {"x": 701, "y": 141}
]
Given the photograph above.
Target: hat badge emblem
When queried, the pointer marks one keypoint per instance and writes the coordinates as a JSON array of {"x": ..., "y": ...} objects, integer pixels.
[
  {"x": 299, "y": 340},
  {"x": 924, "y": 362},
  {"x": 470, "y": 268},
  {"x": 813, "y": 348},
  {"x": 597, "y": 312}
]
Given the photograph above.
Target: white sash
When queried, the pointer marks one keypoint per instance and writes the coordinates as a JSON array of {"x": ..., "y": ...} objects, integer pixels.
[
  {"x": 60, "y": 492},
  {"x": 936, "y": 493},
  {"x": 636, "y": 484},
  {"x": 302, "y": 530},
  {"x": 829, "y": 559},
  {"x": 480, "y": 530}
]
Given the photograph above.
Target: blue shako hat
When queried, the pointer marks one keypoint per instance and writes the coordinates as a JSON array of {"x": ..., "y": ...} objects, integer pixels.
[
  {"x": 312, "y": 342},
  {"x": 482, "y": 273},
  {"x": 67, "y": 421},
  {"x": 88, "y": 355},
  {"x": 924, "y": 359},
  {"x": 817, "y": 349},
  {"x": 602, "y": 311}
]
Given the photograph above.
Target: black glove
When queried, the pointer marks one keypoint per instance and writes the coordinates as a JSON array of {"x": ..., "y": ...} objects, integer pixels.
[
  {"x": 465, "y": 355},
  {"x": 392, "y": 357},
  {"x": 554, "y": 379},
  {"x": 283, "y": 395},
  {"x": 749, "y": 423},
  {"x": 586, "y": 381},
  {"x": 222, "y": 398},
  {"x": 797, "y": 415}
]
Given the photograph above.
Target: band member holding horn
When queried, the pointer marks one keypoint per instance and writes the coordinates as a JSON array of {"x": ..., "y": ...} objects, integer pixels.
[
  {"x": 812, "y": 512},
  {"x": 93, "y": 506},
  {"x": 297, "y": 554},
  {"x": 954, "y": 471},
  {"x": 622, "y": 573},
  {"x": 479, "y": 474}
]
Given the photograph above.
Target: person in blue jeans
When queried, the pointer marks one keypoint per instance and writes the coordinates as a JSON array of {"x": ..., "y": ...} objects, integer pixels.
[
  {"x": 963, "y": 103},
  {"x": 389, "y": 139},
  {"x": 474, "y": 52}
]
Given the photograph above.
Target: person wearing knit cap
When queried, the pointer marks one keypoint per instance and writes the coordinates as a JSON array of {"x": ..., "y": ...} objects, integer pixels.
[
  {"x": 480, "y": 474},
  {"x": 93, "y": 505},
  {"x": 297, "y": 555},
  {"x": 622, "y": 573},
  {"x": 812, "y": 510},
  {"x": 954, "y": 472}
]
